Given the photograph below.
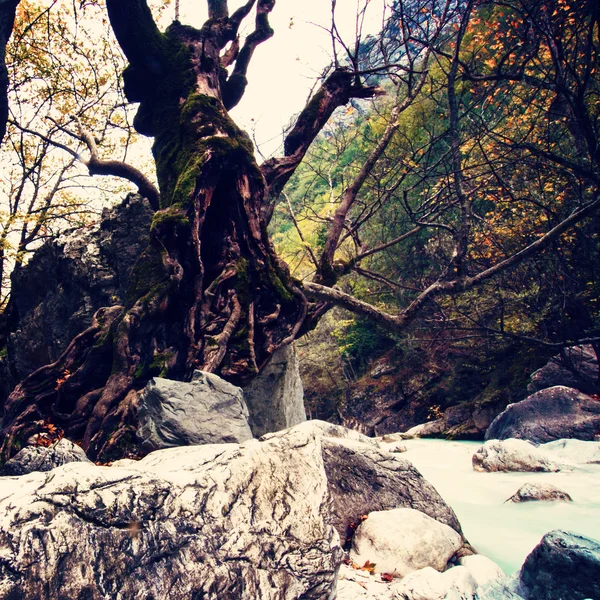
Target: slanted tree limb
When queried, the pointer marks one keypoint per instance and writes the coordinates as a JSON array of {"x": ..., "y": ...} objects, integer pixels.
[
  {"x": 235, "y": 86},
  {"x": 397, "y": 323},
  {"x": 337, "y": 90},
  {"x": 100, "y": 166}
]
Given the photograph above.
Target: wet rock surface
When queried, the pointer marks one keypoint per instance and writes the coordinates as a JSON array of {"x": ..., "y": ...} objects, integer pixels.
[
  {"x": 42, "y": 458},
  {"x": 536, "y": 492},
  {"x": 512, "y": 455},
  {"x": 548, "y": 415},
  {"x": 563, "y": 565}
]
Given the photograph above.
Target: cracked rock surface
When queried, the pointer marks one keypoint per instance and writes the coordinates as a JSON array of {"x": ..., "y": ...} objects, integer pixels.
[
  {"x": 221, "y": 521},
  {"x": 213, "y": 522},
  {"x": 207, "y": 410}
]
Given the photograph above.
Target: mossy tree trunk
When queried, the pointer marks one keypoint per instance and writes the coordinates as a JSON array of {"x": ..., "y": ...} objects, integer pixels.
[{"x": 209, "y": 292}]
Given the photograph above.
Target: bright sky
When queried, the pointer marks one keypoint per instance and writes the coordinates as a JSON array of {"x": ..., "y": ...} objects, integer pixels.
[{"x": 285, "y": 68}]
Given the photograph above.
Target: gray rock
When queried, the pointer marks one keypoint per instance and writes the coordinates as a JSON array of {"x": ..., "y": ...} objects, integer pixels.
[
  {"x": 207, "y": 410},
  {"x": 214, "y": 522},
  {"x": 576, "y": 368},
  {"x": 429, "y": 429},
  {"x": 404, "y": 540},
  {"x": 55, "y": 295},
  {"x": 507, "y": 588},
  {"x": 563, "y": 566},
  {"x": 531, "y": 492},
  {"x": 275, "y": 398},
  {"x": 550, "y": 414},
  {"x": 512, "y": 455},
  {"x": 363, "y": 479},
  {"x": 41, "y": 458}
]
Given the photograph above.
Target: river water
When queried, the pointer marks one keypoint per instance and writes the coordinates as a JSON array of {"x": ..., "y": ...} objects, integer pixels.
[{"x": 506, "y": 533}]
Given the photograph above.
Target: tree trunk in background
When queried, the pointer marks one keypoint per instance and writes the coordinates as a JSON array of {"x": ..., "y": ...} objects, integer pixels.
[{"x": 7, "y": 20}]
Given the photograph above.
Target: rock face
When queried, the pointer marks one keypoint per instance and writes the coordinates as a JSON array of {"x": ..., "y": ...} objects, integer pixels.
[
  {"x": 276, "y": 397},
  {"x": 404, "y": 540},
  {"x": 54, "y": 296},
  {"x": 576, "y": 368},
  {"x": 221, "y": 521},
  {"x": 512, "y": 455},
  {"x": 213, "y": 522},
  {"x": 207, "y": 410},
  {"x": 364, "y": 479},
  {"x": 40, "y": 458},
  {"x": 550, "y": 414},
  {"x": 563, "y": 566},
  {"x": 539, "y": 492}
]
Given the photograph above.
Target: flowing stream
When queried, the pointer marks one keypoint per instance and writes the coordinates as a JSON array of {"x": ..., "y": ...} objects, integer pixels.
[{"x": 506, "y": 533}]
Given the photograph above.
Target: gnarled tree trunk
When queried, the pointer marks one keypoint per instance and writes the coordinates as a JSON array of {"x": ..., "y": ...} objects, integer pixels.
[{"x": 208, "y": 292}]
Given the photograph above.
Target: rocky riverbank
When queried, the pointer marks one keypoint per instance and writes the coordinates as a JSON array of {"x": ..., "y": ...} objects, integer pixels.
[{"x": 316, "y": 511}]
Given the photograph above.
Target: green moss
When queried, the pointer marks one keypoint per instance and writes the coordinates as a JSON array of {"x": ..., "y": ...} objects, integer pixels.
[
  {"x": 148, "y": 278},
  {"x": 173, "y": 217}
]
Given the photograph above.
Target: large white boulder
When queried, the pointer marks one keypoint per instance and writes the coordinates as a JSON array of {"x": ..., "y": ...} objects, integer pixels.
[
  {"x": 512, "y": 455},
  {"x": 218, "y": 521},
  {"x": 428, "y": 584},
  {"x": 403, "y": 540}
]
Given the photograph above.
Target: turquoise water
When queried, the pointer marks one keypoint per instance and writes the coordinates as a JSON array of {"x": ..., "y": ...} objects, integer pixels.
[{"x": 506, "y": 533}]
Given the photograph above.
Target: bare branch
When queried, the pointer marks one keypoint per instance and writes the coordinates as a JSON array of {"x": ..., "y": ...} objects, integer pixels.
[
  {"x": 117, "y": 168},
  {"x": 397, "y": 323},
  {"x": 336, "y": 91},
  {"x": 99, "y": 166},
  {"x": 235, "y": 86}
]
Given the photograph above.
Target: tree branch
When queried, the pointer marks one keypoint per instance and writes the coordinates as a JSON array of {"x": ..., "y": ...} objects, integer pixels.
[
  {"x": 7, "y": 20},
  {"x": 117, "y": 168},
  {"x": 99, "y": 166},
  {"x": 397, "y": 323},
  {"x": 235, "y": 86},
  {"x": 137, "y": 34},
  {"x": 336, "y": 91}
]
